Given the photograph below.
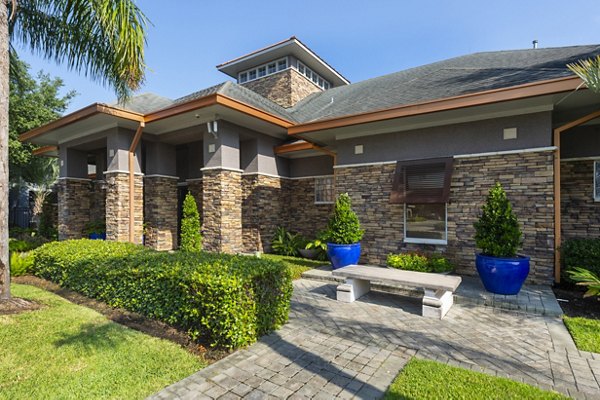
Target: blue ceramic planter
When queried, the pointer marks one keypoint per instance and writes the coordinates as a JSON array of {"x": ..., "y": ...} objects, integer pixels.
[
  {"x": 342, "y": 255},
  {"x": 502, "y": 275},
  {"x": 97, "y": 236}
]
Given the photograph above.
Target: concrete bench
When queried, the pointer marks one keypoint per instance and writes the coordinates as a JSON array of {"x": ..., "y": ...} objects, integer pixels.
[{"x": 438, "y": 288}]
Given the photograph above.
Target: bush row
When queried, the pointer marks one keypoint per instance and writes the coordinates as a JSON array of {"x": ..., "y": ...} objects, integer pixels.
[
  {"x": 419, "y": 262},
  {"x": 580, "y": 253},
  {"x": 226, "y": 300}
]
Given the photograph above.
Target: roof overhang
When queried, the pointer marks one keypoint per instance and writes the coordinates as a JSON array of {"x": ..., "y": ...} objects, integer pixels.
[
  {"x": 100, "y": 117},
  {"x": 495, "y": 96},
  {"x": 291, "y": 46}
]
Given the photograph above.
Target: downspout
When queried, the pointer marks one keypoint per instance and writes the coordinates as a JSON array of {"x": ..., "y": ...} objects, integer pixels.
[
  {"x": 132, "y": 148},
  {"x": 557, "y": 189}
]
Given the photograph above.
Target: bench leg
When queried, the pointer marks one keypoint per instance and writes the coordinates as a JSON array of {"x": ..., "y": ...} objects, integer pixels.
[
  {"x": 352, "y": 290},
  {"x": 436, "y": 303}
]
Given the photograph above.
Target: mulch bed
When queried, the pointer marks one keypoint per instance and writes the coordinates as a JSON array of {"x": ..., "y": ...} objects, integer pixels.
[
  {"x": 16, "y": 305},
  {"x": 130, "y": 319},
  {"x": 577, "y": 305}
]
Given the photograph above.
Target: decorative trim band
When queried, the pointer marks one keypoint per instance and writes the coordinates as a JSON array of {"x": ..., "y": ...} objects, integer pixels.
[
  {"x": 222, "y": 168},
  {"x": 311, "y": 177},
  {"x": 473, "y": 155},
  {"x": 264, "y": 174},
  {"x": 119, "y": 171},
  {"x": 64, "y": 178},
  {"x": 193, "y": 180},
  {"x": 161, "y": 176},
  {"x": 597, "y": 158}
]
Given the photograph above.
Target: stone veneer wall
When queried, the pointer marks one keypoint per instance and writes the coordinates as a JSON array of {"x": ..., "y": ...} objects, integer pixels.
[
  {"x": 222, "y": 210},
  {"x": 303, "y": 215},
  {"x": 265, "y": 201},
  {"x": 285, "y": 88},
  {"x": 73, "y": 207},
  {"x": 160, "y": 212},
  {"x": 527, "y": 178},
  {"x": 195, "y": 188},
  {"x": 580, "y": 214},
  {"x": 98, "y": 201},
  {"x": 117, "y": 207}
]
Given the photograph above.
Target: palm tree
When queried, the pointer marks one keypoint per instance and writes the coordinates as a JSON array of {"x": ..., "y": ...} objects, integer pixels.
[
  {"x": 39, "y": 177},
  {"x": 589, "y": 72},
  {"x": 104, "y": 39}
]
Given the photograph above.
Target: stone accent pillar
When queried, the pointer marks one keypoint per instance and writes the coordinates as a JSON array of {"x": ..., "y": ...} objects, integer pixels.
[
  {"x": 98, "y": 201},
  {"x": 73, "y": 207},
  {"x": 160, "y": 211},
  {"x": 117, "y": 207},
  {"x": 222, "y": 210},
  {"x": 195, "y": 188}
]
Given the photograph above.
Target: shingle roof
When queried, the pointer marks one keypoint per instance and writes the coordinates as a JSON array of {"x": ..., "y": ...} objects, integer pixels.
[{"x": 456, "y": 76}]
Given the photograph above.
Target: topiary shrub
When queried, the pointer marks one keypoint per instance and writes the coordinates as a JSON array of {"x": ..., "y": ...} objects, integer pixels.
[
  {"x": 344, "y": 226},
  {"x": 191, "y": 239},
  {"x": 223, "y": 300},
  {"x": 580, "y": 253},
  {"x": 497, "y": 232}
]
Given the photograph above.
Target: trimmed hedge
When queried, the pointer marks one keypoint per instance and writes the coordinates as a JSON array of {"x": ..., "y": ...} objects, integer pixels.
[
  {"x": 226, "y": 300},
  {"x": 580, "y": 253},
  {"x": 419, "y": 262}
]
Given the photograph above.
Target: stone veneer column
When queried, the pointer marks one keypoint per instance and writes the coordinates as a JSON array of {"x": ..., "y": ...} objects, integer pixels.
[
  {"x": 117, "y": 207},
  {"x": 265, "y": 206},
  {"x": 73, "y": 207},
  {"x": 98, "y": 201},
  {"x": 527, "y": 178},
  {"x": 160, "y": 212},
  {"x": 580, "y": 215},
  {"x": 195, "y": 188},
  {"x": 222, "y": 210}
]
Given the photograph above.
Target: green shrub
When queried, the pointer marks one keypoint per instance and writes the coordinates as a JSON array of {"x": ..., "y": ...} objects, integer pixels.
[
  {"x": 419, "y": 262},
  {"x": 191, "y": 239},
  {"x": 97, "y": 227},
  {"x": 497, "y": 232},
  {"x": 586, "y": 278},
  {"x": 20, "y": 263},
  {"x": 286, "y": 243},
  {"x": 580, "y": 253},
  {"x": 227, "y": 301},
  {"x": 344, "y": 227},
  {"x": 24, "y": 245}
]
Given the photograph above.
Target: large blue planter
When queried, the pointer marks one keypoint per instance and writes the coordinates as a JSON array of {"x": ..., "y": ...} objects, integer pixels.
[
  {"x": 342, "y": 255},
  {"x": 502, "y": 275},
  {"x": 97, "y": 236}
]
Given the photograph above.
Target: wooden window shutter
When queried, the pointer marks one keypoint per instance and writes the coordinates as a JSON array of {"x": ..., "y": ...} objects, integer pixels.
[{"x": 422, "y": 181}]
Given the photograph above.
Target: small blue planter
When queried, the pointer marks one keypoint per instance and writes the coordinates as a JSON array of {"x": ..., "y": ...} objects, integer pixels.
[
  {"x": 342, "y": 255},
  {"x": 97, "y": 236},
  {"x": 502, "y": 275}
]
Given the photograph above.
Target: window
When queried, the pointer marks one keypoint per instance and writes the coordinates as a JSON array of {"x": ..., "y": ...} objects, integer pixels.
[
  {"x": 597, "y": 180},
  {"x": 324, "y": 190},
  {"x": 313, "y": 76},
  {"x": 282, "y": 64},
  {"x": 262, "y": 70},
  {"x": 424, "y": 189}
]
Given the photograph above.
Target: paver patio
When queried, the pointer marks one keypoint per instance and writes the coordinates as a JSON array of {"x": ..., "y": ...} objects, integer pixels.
[{"x": 331, "y": 349}]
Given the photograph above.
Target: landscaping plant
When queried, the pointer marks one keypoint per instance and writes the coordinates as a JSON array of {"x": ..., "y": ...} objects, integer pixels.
[
  {"x": 586, "y": 278},
  {"x": 418, "y": 262},
  {"x": 287, "y": 243},
  {"x": 224, "y": 300},
  {"x": 344, "y": 226},
  {"x": 580, "y": 253},
  {"x": 191, "y": 239},
  {"x": 319, "y": 244},
  {"x": 20, "y": 263},
  {"x": 497, "y": 232}
]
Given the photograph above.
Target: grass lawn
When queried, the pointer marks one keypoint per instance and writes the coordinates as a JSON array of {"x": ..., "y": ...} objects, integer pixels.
[
  {"x": 296, "y": 264},
  {"x": 423, "y": 380},
  {"x": 585, "y": 333},
  {"x": 68, "y": 351}
]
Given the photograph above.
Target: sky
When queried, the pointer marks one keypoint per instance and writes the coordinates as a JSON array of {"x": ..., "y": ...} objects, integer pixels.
[{"x": 360, "y": 39}]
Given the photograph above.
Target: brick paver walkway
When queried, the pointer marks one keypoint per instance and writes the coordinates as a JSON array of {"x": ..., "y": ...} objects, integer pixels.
[{"x": 331, "y": 349}]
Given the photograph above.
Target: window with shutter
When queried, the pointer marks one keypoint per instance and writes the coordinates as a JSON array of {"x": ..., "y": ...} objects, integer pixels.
[{"x": 424, "y": 188}]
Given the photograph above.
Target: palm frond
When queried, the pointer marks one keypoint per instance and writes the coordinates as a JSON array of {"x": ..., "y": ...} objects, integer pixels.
[
  {"x": 585, "y": 277},
  {"x": 589, "y": 72},
  {"x": 104, "y": 39}
]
